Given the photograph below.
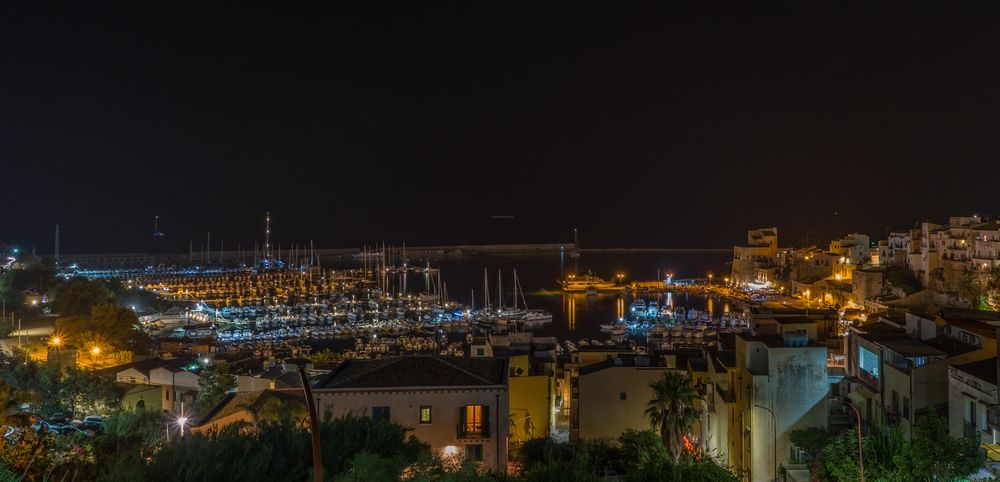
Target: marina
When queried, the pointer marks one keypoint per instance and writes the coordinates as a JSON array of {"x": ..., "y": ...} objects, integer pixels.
[{"x": 363, "y": 306}]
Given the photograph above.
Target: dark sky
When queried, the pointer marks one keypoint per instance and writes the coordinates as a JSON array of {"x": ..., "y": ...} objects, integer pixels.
[{"x": 365, "y": 122}]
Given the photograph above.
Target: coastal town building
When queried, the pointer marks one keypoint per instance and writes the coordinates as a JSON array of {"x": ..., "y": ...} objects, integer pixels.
[
  {"x": 611, "y": 395},
  {"x": 899, "y": 362},
  {"x": 753, "y": 262},
  {"x": 974, "y": 405},
  {"x": 781, "y": 384},
  {"x": 459, "y": 406}
]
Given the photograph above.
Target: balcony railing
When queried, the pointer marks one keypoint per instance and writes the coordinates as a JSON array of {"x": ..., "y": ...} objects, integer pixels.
[
  {"x": 868, "y": 378},
  {"x": 474, "y": 429}
]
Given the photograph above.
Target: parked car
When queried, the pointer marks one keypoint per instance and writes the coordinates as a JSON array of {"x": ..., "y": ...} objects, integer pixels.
[
  {"x": 92, "y": 423},
  {"x": 44, "y": 426},
  {"x": 59, "y": 419}
]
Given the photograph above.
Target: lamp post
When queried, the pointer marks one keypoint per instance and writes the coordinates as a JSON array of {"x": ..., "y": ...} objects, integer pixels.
[
  {"x": 861, "y": 462},
  {"x": 774, "y": 436}
]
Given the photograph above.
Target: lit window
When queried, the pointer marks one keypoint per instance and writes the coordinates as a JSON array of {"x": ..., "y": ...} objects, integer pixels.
[
  {"x": 474, "y": 421},
  {"x": 425, "y": 414}
]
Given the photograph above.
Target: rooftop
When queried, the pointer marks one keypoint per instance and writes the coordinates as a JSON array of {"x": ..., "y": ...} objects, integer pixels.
[
  {"x": 775, "y": 341},
  {"x": 240, "y": 401},
  {"x": 985, "y": 370},
  {"x": 909, "y": 347},
  {"x": 416, "y": 371},
  {"x": 794, "y": 320}
]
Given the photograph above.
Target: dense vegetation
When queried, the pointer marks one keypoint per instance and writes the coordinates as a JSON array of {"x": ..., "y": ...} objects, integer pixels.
[{"x": 930, "y": 454}]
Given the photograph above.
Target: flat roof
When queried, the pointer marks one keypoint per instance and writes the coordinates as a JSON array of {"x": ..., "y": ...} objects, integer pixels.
[
  {"x": 985, "y": 370},
  {"x": 909, "y": 347}
]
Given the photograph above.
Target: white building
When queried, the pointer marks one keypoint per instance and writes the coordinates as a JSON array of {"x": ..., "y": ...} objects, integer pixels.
[{"x": 459, "y": 406}]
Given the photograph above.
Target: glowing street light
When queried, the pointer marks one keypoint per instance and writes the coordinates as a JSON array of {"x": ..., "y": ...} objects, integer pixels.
[
  {"x": 56, "y": 341},
  {"x": 181, "y": 422},
  {"x": 95, "y": 351}
]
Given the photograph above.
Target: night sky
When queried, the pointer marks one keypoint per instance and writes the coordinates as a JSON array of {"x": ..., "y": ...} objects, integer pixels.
[{"x": 362, "y": 123}]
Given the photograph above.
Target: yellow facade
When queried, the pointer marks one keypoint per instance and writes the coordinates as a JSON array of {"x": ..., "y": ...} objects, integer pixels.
[{"x": 530, "y": 407}]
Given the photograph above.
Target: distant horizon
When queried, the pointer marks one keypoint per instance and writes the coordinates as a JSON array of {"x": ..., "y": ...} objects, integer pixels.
[{"x": 165, "y": 245}]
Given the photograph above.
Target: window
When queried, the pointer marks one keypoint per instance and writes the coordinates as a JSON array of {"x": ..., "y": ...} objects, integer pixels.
[
  {"x": 425, "y": 414},
  {"x": 906, "y": 408},
  {"x": 868, "y": 362},
  {"x": 622, "y": 396},
  {"x": 474, "y": 452},
  {"x": 480, "y": 351},
  {"x": 474, "y": 421},
  {"x": 380, "y": 414}
]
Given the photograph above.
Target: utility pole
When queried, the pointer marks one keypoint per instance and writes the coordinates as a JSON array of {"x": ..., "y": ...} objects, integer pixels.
[
  {"x": 57, "y": 244},
  {"x": 313, "y": 427}
]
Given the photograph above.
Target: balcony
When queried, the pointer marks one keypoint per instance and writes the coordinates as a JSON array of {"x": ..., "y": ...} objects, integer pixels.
[
  {"x": 983, "y": 436},
  {"x": 993, "y": 417},
  {"x": 474, "y": 429},
  {"x": 868, "y": 378}
]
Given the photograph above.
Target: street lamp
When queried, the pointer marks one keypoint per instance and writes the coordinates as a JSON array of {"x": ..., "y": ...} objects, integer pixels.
[
  {"x": 861, "y": 462},
  {"x": 774, "y": 436},
  {"x": 181, "y": 421},
  {"x": 56, "y": 341},
  {"x": 95, "y": 351}
]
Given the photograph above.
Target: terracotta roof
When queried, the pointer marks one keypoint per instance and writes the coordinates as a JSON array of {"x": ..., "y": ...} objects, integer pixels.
[
  {"x": 416, "y": 371},
  {"x": 241, "y": 401}
]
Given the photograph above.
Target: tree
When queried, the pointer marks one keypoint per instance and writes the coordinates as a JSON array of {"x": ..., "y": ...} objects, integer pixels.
[
  {"x": 930, "y": 454},
  {"x": 271, "y": 409},
  {"x": 810, "y": 439},
  {"x": 672, "y": 410},
  {"x": 87, "y": 393},
  {"x": 215, "y": 381},
  {"x": 77, "y": 296},
  {"x": 108, "y": 325}
]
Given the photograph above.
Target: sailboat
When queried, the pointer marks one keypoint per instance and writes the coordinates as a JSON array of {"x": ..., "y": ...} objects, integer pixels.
[{"x": 530, "y": 315}]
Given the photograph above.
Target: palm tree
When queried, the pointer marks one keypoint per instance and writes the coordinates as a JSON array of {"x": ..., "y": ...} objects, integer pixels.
[{"x": 672, "y": 410}]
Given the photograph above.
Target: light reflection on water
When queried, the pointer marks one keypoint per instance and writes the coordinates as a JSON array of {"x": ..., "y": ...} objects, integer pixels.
[{"x": 575, "y": 315}]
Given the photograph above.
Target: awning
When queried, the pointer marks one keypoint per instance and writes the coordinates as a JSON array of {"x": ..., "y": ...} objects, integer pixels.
[{"x": 859, "y": 396}]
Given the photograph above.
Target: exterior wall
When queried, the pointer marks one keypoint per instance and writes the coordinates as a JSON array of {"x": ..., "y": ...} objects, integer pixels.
[
  {"x": 131, "y": 375},
  {"x": 442, "y": 433},
  {"x": 866, "y": 284},
  {"x": 790, "y": 381},
  {"x": 151, "y": 397},
  {"x": 963, "y": 390},
  {"x": 162, "y": 376},
  {"x": 602, "y": 413},
  {"x": 253, "y": 384},
  {"x": 531, "y": 403}
]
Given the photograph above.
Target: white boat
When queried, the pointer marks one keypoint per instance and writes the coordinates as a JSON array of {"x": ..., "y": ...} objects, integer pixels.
[{"x": 587, "y": 282}]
